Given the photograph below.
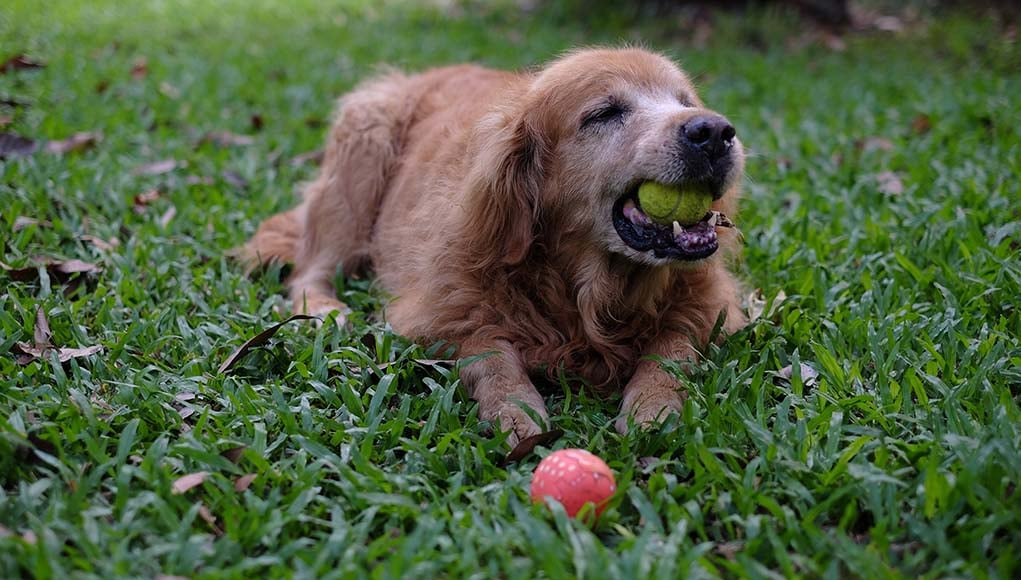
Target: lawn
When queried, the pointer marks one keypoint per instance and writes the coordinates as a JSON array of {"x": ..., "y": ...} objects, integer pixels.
[{"x": 868, "y": 424}]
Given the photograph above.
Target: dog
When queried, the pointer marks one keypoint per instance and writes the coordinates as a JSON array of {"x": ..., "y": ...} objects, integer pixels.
[{"x": 499, "y": 210}]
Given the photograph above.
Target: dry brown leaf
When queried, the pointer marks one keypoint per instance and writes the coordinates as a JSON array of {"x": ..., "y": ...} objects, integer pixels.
[
  {"x": 890, "y": 183},
  {"x": 140, "y": 68},
  {"x": 875, "y": 144},
  {"x": 208, "y": 517},
  {"x": 74, "y": 143},
  {"x": 158, "y": 167},
  {"x": 257, "y": 340},
  {"x": 21, "y": 222},
  {"x": 26, "y": 353},
  {"x": 171, "y": 577},
  {"x": 42, "y": 333},
  {"x": 29, "y": 537},
  {"x": 61, "y": 270},
  {"x": 921, "y": 124},
  {"x": 756, "y": 304},
  {"x": 244, "y": 482},
  {"x": 199, "y": 180},
  {"x": 105, "y": 245},
  {"x": 256, "y": 122},
  {"x": 186, "y": 482},
  {"x": 19, "y": 61},
  {"x": 234, "y": 179},
  {"x": 233, "y": 454},
  {"x": 12, "y": 145},
  {"x": 145, "y": 198},
  {"x": 170, "y": 91},
  {"x": 6, "y": 120},
  {"x": 167, "y": 216},
  {"x": 809, "y": 375}
]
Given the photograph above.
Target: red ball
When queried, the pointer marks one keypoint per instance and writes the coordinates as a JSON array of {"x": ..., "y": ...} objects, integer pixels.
[{"x": 573, "y": 477}]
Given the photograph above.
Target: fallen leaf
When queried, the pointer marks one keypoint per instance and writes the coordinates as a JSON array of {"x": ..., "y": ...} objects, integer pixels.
[
  {"x": 208, "y": 517},
  {"x": 158, "y": 167},
  {"x": 874, "y": 144},
  {"x": 233, "y": 454},
  {"x": 808, "y": 374},
  {"x": 186, "y": 482},
  {"x": 757, "y": 304},
  {"x": 12, "y": 145},
  {"x": 890, "y": 183},
  {"x": 61, "y": 270},
  {"x": 921, "y": 124},
  {"x": 170, "y": 91},
  {"x": 167, "y": 216},
  {"x": 4, "y": 532},
  {"x": 258, "y": 340},
  {"x": 102, "y": 86},
  {"x": 19, "y": 61},
  {"x": 308, "y": 157},
  {"x": 244, "y": 482},
  {"x": 171, "y": 577},
  {"x": 6, "y": 120},
  {"x": 143, "y": 199},
  {"x": 26, "y": 353},
  {"x": 42, "y": 332},
  {"x": 105, "y": 245},
  {"x": 528, "y": 444},
  {"x": 21, "y": 222},
  {"x": 647, "y": 462},
  {"x": 29, "y": 537},
  {"x": 140, "y": 68},
  {"x": 226, "y": 139},
  {"x": 234, "y": 179},
  {"x": 256, "y": 122},
  {"x": 199, "y": 180},
  {"x": 729, "y": 550},
  {"x": 77, "y": 142}
]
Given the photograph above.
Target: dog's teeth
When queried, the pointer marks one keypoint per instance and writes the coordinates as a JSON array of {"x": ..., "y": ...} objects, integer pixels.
[
  {"x": 678, "y": 230},
  {"x": 712, "y": 219}
]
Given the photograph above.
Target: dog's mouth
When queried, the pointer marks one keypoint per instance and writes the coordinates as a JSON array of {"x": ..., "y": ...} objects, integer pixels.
[{"x": 674, "y": 242}]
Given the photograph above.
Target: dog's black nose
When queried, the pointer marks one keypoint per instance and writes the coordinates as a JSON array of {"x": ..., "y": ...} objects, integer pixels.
[{"x": 713, "y": 134}]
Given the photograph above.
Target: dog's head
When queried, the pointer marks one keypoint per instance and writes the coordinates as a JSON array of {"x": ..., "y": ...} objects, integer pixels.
[{"x": 570, "y": 153}]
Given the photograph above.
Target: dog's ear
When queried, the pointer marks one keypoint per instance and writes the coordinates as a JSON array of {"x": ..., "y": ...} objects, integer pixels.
[{"x": 505, "y": 182}]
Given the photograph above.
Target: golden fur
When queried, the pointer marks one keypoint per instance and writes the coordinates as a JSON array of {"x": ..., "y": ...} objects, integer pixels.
[{"x": 483, "y": 206}]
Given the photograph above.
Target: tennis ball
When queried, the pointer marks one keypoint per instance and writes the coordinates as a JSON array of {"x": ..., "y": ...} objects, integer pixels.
[
  {"x": 666, "y": 204},
  {"x": 573, "y": 477}
]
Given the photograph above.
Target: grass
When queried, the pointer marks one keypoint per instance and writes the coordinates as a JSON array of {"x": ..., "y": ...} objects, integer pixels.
[{"x": 882, "y": 201}]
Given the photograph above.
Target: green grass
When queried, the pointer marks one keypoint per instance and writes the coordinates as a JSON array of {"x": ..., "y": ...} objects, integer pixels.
[{"x": 901, "y": 459}]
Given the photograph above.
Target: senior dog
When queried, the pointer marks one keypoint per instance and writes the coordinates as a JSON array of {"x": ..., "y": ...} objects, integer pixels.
[{"x": 500, "y": 211}]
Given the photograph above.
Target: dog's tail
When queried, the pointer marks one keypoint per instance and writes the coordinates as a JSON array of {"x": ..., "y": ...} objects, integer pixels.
[{"x": 275, "y": 241}]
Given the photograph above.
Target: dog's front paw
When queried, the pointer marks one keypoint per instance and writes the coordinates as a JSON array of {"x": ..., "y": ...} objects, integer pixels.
[
  {"x": 649, "y": 410},
  {"x": 513, "y": 419}
]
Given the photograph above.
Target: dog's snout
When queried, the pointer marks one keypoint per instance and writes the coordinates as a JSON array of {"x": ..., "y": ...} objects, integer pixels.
[{"x": 713, "y": 134}]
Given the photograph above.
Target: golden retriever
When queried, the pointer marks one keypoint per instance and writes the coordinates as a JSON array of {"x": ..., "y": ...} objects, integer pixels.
[{"x": 499, "y": 210}]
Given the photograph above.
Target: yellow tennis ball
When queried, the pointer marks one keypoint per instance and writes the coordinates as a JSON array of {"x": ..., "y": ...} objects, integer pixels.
[{"x": 665, "y": 204}]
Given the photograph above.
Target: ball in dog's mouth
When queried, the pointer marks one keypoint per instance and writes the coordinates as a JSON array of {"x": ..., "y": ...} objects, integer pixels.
[{"x": 685, "y": 243}]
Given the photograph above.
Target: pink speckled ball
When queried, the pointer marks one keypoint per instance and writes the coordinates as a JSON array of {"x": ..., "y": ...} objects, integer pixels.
[{"x": 573, "y": 477}]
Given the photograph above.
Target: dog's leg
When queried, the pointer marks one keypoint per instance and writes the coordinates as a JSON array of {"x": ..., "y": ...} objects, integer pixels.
[
  {"x": 652, "y": 394},
  {"x": 340, "y": 206},
  {"x": 500, "y": 384}
]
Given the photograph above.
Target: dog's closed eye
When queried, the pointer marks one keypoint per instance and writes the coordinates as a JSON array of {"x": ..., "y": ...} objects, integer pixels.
[{"x": 612, "y": 110}]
